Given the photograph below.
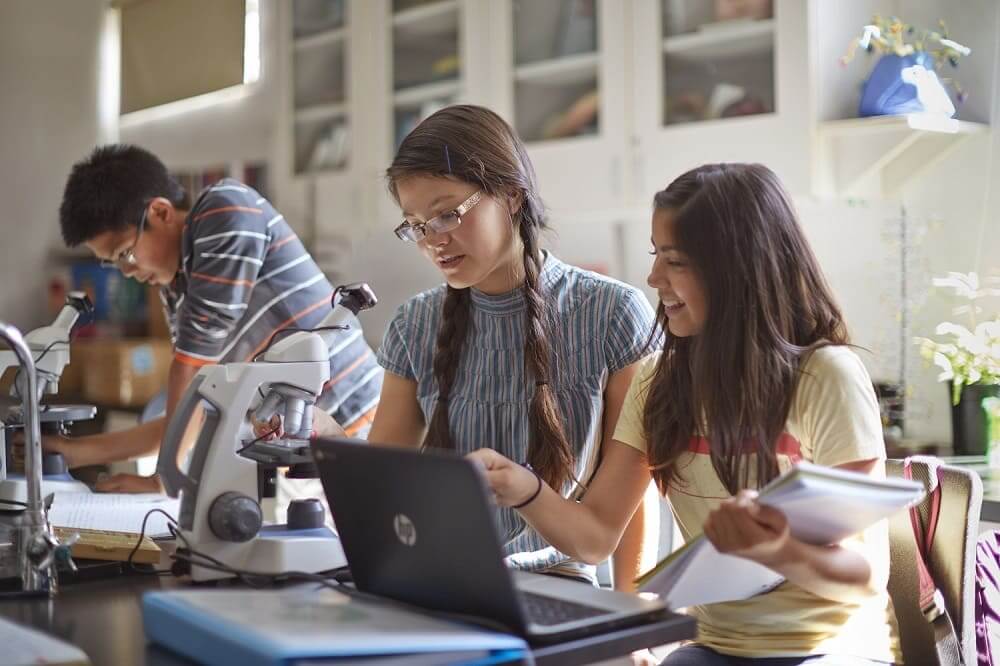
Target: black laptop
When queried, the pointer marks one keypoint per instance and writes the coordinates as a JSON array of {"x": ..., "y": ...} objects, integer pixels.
[{"x": 419, "y": 528}]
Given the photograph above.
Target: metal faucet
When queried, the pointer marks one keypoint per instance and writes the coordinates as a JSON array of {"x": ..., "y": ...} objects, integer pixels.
[{"x": 37, "y": 547}]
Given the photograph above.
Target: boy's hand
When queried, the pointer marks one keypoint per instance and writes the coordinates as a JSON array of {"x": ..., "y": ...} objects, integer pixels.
[
  {"x": 67, "y": 446},
  {"x": 130, "y": 483}
]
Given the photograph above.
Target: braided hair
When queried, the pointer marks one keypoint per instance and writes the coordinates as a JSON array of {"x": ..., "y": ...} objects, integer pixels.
[{"x": 474, "y": 145}]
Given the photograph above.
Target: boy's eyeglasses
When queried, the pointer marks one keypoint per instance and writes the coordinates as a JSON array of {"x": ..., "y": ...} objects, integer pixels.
[
  {"x": 440, "y": 224},
  {"x": 127, "y": 258}
]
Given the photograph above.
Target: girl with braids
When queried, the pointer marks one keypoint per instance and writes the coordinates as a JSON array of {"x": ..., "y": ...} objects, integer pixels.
[
  {"x": 755, "y": 374},
  {"x": 518, "y": 351}
]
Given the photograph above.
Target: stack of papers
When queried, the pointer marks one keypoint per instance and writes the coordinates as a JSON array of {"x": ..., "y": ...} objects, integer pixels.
[
  {"x": 823, "y": 506},
  {"x": 113, "y": 512}
]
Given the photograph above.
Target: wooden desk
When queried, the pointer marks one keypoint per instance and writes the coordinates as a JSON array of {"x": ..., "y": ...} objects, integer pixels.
[{"x": 104, "y": 618}]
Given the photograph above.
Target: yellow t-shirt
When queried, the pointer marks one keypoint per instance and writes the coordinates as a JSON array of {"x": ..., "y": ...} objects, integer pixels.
[{"x": 834, "y": 419}]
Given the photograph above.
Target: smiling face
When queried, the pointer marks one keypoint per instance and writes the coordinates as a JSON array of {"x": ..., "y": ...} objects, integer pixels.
[
  {"x": 481, "y": 252},
  {"x": 156, "y": 250},
  {"x": 677, "y": 284}
]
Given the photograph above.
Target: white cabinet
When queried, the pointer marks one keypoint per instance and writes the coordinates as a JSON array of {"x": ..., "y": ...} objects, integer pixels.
[
  {"x": 560, "y": 72},
  {"x": 320, "y": 62},
  {"x": 711, "y": 88},
  {"x": 614, "y": 98}
]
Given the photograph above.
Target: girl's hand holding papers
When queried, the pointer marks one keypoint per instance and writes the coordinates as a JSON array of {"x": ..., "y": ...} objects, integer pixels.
[{"x": 741, "y": 526}]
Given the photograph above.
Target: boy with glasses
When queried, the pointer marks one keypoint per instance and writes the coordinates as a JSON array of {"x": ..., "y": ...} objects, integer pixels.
[{"x": 231, "y": 273}]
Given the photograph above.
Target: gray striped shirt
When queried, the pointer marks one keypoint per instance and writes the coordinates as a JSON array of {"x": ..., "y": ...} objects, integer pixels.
[
  {"x": 600, "y": 326},
  {"x": 245, "y": 275}
]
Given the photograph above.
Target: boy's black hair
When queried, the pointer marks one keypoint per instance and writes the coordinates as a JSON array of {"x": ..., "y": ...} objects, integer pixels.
[{"x": 108, "y": 189}]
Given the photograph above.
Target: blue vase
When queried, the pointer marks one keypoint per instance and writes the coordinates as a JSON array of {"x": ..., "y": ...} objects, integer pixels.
[{"x": 885, "y": 93}]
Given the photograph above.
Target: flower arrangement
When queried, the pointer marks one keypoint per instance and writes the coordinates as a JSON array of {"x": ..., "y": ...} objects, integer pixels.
[
  {"x": 972, "y": 354},
  {"x": 889, "y": 35}
]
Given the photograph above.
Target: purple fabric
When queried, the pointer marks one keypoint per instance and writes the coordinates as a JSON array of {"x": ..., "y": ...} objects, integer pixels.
[{"x": 988, "y": 599}]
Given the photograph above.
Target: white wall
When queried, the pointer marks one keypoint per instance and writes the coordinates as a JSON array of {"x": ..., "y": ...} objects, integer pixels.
[{"x": 49, "y": 118}]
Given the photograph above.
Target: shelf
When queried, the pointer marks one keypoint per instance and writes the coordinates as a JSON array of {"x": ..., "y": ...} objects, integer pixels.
[
  {"x": 320, "y": 112},
  {"x": 742, "y": 38},
  {"x": 325, "y": 38},
  {"x": 428, "y": 20},
  {"x": 416, "y": 95},
  {"x": 567, "y": 70},
  {"x": 880, "y": 154}
]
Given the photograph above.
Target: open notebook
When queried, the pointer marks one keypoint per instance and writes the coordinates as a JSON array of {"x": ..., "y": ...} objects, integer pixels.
[
  {"x": 113, "y": 512},
  {"x": 823, "y": 505}
]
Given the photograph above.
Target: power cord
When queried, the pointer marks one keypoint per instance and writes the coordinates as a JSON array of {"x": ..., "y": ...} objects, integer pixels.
[
  {"x": 267, "y": 434},
  {"x": 142, "y": 533},
  {"x": 295, "y": 329}
]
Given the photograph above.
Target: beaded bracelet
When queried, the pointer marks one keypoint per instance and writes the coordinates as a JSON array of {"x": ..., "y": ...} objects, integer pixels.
[{"x": 537, "y": 490}]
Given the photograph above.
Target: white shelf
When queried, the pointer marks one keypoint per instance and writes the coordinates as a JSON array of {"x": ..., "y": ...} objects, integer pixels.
[
  {"x": 566, "y": 70},
  {"x": 416, "y": 95},
  {"x": 742, "y": 38},
  {"x": 880, "y": 154},
  {"x": 428, "y": 20},
  {"x": 325, "y": 38},
  {"x": 320, "y": 112}
]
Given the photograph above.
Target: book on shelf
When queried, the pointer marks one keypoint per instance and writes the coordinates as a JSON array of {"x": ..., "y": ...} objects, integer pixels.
[{"x": 698, "y": 574}]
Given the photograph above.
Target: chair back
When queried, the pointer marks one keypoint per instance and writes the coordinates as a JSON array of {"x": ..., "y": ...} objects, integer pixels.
[{"x": 952, "y": 560}]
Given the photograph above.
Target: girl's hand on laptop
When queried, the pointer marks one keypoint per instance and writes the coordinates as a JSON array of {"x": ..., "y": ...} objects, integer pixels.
[
  {"x": 510, "y": 482},
  {"x": 744, "y": 527}
]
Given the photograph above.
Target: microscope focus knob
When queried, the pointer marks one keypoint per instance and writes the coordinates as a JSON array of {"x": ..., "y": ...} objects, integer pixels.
[
  {"x": 305, "y": 514},
  {"x": 235, "y": 517}
]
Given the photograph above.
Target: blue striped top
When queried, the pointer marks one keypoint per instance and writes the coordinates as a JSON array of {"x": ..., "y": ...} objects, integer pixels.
[{"x": 599, "y": 326}]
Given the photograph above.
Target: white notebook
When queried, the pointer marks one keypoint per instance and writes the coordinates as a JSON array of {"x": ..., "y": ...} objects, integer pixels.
[
  {"x": 114, "y": 512},
  {"x": 697, "y": 574}
]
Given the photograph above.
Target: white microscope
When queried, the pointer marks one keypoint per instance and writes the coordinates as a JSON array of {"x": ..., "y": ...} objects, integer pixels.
[
  {"x": 220, "y": 520},
  {"x": 49, "y": 347}
]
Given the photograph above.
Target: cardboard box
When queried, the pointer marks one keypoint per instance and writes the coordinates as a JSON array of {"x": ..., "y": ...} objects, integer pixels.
[{"x": 120, "y": 373}]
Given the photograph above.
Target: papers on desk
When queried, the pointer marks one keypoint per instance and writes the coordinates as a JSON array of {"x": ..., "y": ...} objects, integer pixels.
[
  {"x": 271, "y": 627},
  {"x": 113, "y": 512},
  {"x": 23, "y": 646},
  {"x": 823, "y": 506}
]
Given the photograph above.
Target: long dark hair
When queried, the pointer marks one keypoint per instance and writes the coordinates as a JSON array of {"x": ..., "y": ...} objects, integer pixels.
[
  {"x": 474, "y": 145},
  {"x": 769, "y": 306}
]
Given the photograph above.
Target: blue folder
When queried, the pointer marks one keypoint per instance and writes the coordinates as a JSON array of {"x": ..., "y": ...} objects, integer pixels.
[{"x": 284, "y": 626}]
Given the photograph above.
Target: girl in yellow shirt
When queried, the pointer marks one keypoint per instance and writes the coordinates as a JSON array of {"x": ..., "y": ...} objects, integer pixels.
[{"x": 754, "y": 375}]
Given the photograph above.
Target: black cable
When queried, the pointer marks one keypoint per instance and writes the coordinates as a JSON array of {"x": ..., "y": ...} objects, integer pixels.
[
  {"x": 295, "y": 329},
  {"x": 138, "y": 543},
  {"x": 49, "y": 347},
  {"x": 270, "y": 432},
  {"x": 15, "y": 389}
]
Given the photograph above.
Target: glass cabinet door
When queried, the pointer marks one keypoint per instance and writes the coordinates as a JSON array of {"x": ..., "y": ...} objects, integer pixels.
[
  {"x": 556, "y": 64},
  {"x": 426, "y": 60},
  {"x": 718, "y": 59},
  {"x": 320, "y": 66}
]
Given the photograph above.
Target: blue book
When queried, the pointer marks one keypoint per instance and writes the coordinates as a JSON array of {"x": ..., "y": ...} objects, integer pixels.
[{"x": 306, "y": 622}]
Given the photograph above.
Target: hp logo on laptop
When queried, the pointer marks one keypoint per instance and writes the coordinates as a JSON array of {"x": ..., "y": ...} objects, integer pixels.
[{"x": 405, "y": 530}]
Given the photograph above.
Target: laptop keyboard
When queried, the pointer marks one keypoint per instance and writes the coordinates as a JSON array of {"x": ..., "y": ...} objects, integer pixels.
[{"x": 548, "y": 611}]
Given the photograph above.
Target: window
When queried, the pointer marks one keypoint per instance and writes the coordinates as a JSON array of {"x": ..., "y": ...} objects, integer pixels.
[{"x": 176, "y": 49}]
